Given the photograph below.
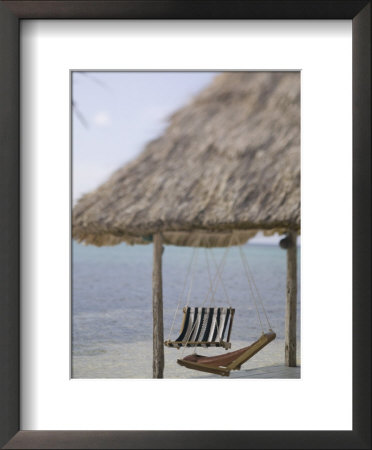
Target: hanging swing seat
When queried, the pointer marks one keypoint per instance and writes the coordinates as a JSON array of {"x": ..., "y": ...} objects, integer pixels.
[
  {"x": 223, "y": 364},
  {"x": 204, "y": 327}
]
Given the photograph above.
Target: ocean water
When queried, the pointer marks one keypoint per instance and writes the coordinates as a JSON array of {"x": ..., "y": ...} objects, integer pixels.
[{"x": 112, "y": 305}]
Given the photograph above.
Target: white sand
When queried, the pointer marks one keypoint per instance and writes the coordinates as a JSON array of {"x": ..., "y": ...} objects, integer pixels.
[{"x": 135, "y": 361}]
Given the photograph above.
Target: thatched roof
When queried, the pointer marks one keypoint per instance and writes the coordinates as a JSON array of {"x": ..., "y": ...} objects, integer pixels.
[{"x": 229, "y": 160}]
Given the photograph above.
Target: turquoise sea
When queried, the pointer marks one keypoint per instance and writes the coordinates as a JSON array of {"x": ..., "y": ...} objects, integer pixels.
[{"x": 112, "y": 305}]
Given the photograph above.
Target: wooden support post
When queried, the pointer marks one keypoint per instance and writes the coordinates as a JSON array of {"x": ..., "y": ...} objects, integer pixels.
[
  {"x": 291, "y": 305},
  {"x": 157, "y": 309}
]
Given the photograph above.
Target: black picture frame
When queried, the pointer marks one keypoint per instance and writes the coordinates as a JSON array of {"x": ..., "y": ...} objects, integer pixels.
[{"x": 11, "y": 12}]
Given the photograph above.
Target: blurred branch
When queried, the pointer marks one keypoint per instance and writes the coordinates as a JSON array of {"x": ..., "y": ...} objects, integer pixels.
[
  {"x": 96, "y": 80},
  {"x": 79, "y": 115}
]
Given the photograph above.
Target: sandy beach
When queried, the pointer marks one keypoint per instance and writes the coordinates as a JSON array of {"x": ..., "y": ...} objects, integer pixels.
[
  {"x": 134, "y": 360},
  {"x": 112, "y": 312}
]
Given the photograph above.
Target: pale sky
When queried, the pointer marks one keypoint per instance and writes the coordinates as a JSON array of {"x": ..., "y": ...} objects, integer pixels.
[
  {"x": 123, "y": 111},
  {"x": 116, "y": 114}
]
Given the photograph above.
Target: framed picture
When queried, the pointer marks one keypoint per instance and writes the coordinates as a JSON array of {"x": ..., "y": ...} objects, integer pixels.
[
  {"x": 152, "y": 431},
  {"x": 198, "y": 266}
]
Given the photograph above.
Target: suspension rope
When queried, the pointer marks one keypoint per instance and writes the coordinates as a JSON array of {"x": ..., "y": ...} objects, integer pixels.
[
  {"x": 214, "y": 284},
  {"x": 251, "y": 291},
  {"x": 188, "y": 300},
  {"x": 209, "y": 276},
  {"x": 256, "y": 289},
  {"x": 180, "y": 297},
  {"x": 211, "y": 289},
  {"x": 192, "y": 278},
  {"x": 220, "y": 277}
]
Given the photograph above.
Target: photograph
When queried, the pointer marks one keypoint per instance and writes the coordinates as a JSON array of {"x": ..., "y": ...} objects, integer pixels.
[{"x": 186, "y": 224}]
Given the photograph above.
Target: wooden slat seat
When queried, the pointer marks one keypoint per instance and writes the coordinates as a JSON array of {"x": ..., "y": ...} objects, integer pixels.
[{"x": 204, "y": 327}]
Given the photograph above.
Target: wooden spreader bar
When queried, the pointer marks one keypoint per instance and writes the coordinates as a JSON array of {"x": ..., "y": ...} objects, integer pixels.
[{"x": 179, "y": 344}]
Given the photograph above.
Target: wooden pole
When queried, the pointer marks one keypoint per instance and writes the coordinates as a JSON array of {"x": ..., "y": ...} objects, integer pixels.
[
  {"x": 157, "y": 309},
  {"x": 291, "y": 305}
]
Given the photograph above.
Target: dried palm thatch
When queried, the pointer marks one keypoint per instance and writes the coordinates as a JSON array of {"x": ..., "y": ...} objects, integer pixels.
[{"x": 229, "y": 160}]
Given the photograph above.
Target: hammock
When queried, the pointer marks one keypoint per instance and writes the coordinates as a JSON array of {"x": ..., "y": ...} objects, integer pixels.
[
  {"x": 223, "y": 364},
  {"x": 204, "y": 327}
]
